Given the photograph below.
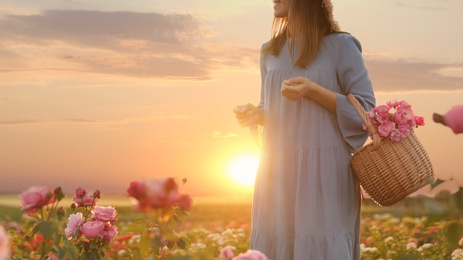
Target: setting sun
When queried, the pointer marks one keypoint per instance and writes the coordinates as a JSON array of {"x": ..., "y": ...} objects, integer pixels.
[{"x": 243, "y": 169}]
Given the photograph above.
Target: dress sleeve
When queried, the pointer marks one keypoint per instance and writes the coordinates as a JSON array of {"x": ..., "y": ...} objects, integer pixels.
[{"x": 353, "y": 79}]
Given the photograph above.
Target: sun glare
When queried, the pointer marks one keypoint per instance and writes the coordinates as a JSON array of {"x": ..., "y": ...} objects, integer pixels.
[{"x": 242, "y": 170}]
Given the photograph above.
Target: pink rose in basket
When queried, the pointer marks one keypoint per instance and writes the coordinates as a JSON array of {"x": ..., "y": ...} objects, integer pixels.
[{"x": 395, "y": 120}]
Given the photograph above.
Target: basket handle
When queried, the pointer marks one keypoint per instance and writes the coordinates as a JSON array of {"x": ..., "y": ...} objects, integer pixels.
[{"x": 366, "y": 119}]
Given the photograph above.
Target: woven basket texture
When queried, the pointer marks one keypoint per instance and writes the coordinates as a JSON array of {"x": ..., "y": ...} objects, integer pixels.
[{"x": 390, "y": 171}]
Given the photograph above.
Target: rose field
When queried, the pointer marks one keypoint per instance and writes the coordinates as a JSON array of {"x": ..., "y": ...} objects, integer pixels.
[{"x": 155, "y": 220}]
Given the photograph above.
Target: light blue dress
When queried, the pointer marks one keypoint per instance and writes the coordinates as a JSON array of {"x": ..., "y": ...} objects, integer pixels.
[{"x": 306, "y": 202}]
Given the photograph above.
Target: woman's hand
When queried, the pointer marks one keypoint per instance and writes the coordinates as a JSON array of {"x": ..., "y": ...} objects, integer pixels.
[
  {"x": 297, "y": 88},
  {"x": 248, "y": 115}
]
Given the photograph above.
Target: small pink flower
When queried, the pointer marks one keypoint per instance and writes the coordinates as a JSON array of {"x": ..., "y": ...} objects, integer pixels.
[
  {"x": 35, "y": 198},
  {"x": 97, "y": 194},
  {"x": 382, "y": 109},
  {"x": 80, "y": 192},
  {"x": 411, "y": 246},
  {"x": 392, "y": 104},
  {"x": 404, "y": 129},
  {"x": 383, "y": 118},
  {"x": 82, "y": 199},
  {"x": 251, "y": 255},
  {"x": 460, "y": 243},
  {"x": 4, "y": 244},
  {"x": 161, "y": 193},
  {"x": 75, "y": 221},
  {"x": 136, "y": 190},
  {"x": 92, "y": 229},
  {"x": 419, "y": 120},
  {"x": 395, "y": 135},
  {"x": 185, "y": 201},
  {"x": 386, "y": 128},
  {"x": 111, "y": 232},
  {"x": 104, "y": 213}
]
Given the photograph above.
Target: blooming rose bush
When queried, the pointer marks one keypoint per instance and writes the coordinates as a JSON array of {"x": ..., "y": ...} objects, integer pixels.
[
  {"x": 90, "y": 228},
  {"x": 40, "y": 228},
  {"x": 395, "y": 120},
  {"x": 157, "y": 234},
  {"x": 158, "y": 230}
]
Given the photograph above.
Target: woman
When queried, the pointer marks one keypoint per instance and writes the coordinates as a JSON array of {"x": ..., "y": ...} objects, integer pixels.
[{"x": 306, "y": 200}]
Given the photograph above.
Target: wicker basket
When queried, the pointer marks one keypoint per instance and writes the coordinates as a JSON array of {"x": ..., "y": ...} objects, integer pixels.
[{"x": 390, "y": 171}]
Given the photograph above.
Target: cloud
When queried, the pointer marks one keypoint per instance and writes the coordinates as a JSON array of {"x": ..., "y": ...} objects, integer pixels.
[
  {"x": 420, "y": 6},
  {"x": 406, "y": 75},
  {"x": 220, "y": 135},
  {"x": 123, "y": 43},
  {"x": 128, "y": 120}
]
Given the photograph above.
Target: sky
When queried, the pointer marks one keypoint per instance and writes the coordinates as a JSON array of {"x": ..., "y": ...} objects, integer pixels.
[{"x": 97, "y": 94}]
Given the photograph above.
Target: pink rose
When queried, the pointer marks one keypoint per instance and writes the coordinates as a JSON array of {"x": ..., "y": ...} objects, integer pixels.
[
  {"x": 82, "y": 199},
  {"x": 251, "y": 255},
  {"x": 386, "y": 128},
  {"x": 111, "y": 232},
  {"x": 185, "y": 201},
  {"x": 395, "y": 135},
  {"x": 136, "y": 190},
  {"x": 419, "y": 120},
  {"x": 75, "y": 221},
  {"x": 104, "y": 213},
  {"x": 36, "y": 197},
  {"x": 392, "y": 104},
  {"x": 382, "y": 109},
  {"x": 405, "y": 110},
  {"x": 158, "y": 193},
  {"x": 80, "y": 192},
  {"x": 161, "y": 193},
  {"x": 383, "y": 118},
  {"x": 92, "y": 229},
  {"x": 4, "y": 244}
]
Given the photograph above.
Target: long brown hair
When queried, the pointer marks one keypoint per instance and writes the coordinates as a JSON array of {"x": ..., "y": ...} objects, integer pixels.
[{"x": 308, "y": 21}]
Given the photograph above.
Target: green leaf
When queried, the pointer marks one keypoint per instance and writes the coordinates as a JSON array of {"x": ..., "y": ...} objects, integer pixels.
[
  {"x": 170, "y": 244},
  {"x": 145, "y": 243},
  {"x": 90, "y": 256},
  {"x": 454, "y": 232},
  {"x": 48, "y": 229},
  {"x": 436, "y": 183},
  {"x": 181, "y": 243}
]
